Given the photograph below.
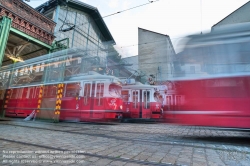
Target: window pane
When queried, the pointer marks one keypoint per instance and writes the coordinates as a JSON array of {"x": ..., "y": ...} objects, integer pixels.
[
  {"x": 50, "y": 91},
  {"x": 146, "y": 99},
  {"x": 86, "y": 93},
  {"x": 72, "y": 90},
  {"x": 125, "y": 95},
  {"x": 99, "y": 93},
  {"x": 14, "y": 93},
  {"x": 135, "y": 99}
]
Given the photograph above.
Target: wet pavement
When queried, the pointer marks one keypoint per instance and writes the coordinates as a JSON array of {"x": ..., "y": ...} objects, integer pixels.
[{"x": 129, "y": 144}]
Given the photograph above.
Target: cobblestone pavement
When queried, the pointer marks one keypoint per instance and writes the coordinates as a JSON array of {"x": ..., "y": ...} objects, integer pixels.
[{"x": 129, "y": 144}]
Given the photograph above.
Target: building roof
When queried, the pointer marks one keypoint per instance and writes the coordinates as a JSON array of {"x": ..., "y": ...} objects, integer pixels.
[
  {"x": 81, "y": 6},
  {"x": 230, "y": 14},
  {"x": 160, "y": 34},
  {"x": 153, "y": 32}
]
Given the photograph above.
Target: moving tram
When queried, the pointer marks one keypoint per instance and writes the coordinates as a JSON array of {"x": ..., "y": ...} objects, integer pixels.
[
  {"x": 86, "y": 97},
  {"x": 213, "y": 79},
  {"x": 142, "y": 101}
]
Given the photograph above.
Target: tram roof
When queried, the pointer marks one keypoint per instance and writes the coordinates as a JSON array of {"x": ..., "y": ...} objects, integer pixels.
[
  {"x": 232, "y": 31},
  {"x": 212, "y": 76},
  {"x": 90, "y": 76},
  {"x": 142, "y": 86}
]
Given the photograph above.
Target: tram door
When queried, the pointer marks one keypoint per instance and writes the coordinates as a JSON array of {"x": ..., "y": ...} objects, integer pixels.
[
  {"x": 86, "y": 112},
  {"x": 141, "y": 104},
  {"x": 178, "y": 102},
  {"x": 97, "y": 105},
  {"x": 135, "y": 113},
  {"x": 145, "y": 110},
  {"x": 48, "y": 102},
  {"x": 169, "y": 106},
  {"x": 169, "y": 102},
  {"x": 71, "y": 104},
  {"x": 126, "y": 96}
]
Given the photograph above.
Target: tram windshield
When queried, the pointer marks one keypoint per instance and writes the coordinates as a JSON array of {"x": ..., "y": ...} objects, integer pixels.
[
  {"x": 158, "y": 97},
  {"x": 115, "y": 90}
]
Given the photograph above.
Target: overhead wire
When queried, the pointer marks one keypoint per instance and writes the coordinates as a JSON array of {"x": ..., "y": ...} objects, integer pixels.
[
  {"x": 130, "y": 8},
  {"x": 71, "y": 26},
  {"x": 149, "y": 2},
  {"x": 76, "y": 25},
  {"x": 145, "y": 43}
]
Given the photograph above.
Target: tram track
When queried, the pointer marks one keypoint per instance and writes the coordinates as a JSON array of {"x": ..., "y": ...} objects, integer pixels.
[
  {"x": 132, "y": 132},
  {"x": 168, "y": 141},
  {"x": 88, "y": 154}
]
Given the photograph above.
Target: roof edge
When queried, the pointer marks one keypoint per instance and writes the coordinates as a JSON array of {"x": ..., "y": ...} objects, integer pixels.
[
  {"x": 230, "y": 14},
  {"x": 153, "y": 31}
]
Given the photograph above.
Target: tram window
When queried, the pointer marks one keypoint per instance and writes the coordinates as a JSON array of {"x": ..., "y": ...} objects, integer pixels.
[
  {"x": 72, "y": 90},
  {"x": 14, "y": 94},
  {"x": 86, "y": 93},
  {"x": 36, "y": 92},
  {"x": 226, "y": 88},
  {"x": 45, "y": 91},
  {"x": 93, "y": 90},
  {"x": 226, "y": 92},
  {"x": 87, "y": 90},
  {"x": 99, "y": 93},
  {"x": 146, "y": 99},
  {"x": 178, "y": 100},
  {"x": 125, "y": 95},
  {"x": 24, "y": 93},
  {"x": 50, "y": 91},
  {"x": 53, "y": 91},
  {"x": 33, "y": 92},
  {"x": 168, "y": 100},
  {"x": 29, "y": 94},
  {"x": 158, "y": 97},
  {"x": 17, "y": 93},
  {"x": 135, "y": 99},
  {"x": 115, "y": 90}
]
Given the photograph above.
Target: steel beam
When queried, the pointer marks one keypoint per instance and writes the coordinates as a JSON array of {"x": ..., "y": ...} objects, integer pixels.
[
  {"x": 5, "y": 25},
  {"x": 30, "y": 38}
]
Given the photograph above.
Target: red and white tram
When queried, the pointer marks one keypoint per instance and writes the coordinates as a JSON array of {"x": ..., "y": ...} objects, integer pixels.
[
  {"x": 90, "y": 97},
  {"x": 20, "y": 102},
  {"x": 142, "y": 101},
  {"x": 213, "y": 86}
]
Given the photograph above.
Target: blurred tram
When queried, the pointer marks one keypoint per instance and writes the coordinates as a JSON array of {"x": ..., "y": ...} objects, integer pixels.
[
  {"x": 90, "y": 97},
  {"x": 212, "y": 79},
  {"x": 142, "y": 101}
]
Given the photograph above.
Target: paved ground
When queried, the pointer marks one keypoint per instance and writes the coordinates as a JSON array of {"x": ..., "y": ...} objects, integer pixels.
[{"x": 129, "y": 144}]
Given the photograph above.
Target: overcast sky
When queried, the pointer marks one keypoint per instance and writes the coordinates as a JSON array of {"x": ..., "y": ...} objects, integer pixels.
[{"x": 176, "y": 18}]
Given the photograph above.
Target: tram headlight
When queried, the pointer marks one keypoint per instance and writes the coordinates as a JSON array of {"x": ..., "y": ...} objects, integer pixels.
[{"x": 121, "y": 107}]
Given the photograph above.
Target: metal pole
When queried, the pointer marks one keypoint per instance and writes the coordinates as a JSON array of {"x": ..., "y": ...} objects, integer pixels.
[{"x": 5, "y": 25}]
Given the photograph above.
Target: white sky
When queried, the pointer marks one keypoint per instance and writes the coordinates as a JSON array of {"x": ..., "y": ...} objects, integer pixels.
[{"x": 176, "y": 18}]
